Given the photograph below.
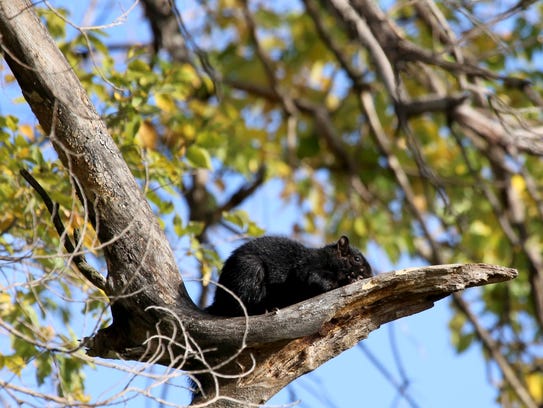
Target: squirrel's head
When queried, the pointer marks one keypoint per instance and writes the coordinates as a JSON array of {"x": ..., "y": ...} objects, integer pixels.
[{"x": 357, "y": 267}]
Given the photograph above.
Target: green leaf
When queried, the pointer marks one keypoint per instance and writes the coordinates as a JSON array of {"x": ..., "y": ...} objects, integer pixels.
[
  {"x": 464, "y": 341},
  {"x": 239, "y": 218},
  {"x": 139, "y": 66},
  {"x": 198, "y": 157},
  {"x": 44, "y": 367},
  {"x": 13, "y": 363}
]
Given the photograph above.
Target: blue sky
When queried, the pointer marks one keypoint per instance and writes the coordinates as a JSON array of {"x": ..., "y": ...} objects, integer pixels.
[{"x": 438, "y": 377}]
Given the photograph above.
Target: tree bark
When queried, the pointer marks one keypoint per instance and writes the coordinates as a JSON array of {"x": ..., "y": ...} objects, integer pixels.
[
  {"x": 153, "y": 317},
  {"x": 137, "y": 252},
  {"x": 163, "y": 19},
  {"x": 325, "y": 326}
]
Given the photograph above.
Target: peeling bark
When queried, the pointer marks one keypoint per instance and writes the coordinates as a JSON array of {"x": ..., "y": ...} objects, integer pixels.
[{"x": 325, "y": 326}]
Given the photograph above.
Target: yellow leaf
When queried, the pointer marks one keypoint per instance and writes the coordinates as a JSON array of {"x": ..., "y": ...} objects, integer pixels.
[
  {"x": 253, "y": 165},
  {"x": 165, "y": 103},
  {"x": 315, "y": 76},
  {"x": 79, "y": 395},
  {"x": 27, "y": 130},
  {"x": 188, "y": 131},
  {"x": 5, "y": 298},
  {"x": 480, "y": 228},
  {"x": 534, "y": 381},
  {"x": 332, "y": 102},
  {"x": 9, "y": 78},
  {"x": 15, "y": 364},
  {"x": 420, "y": 202},
  {"x": 206, "y": 273},
  {"x": 46, "y": 333},
  {"x": 360, "y": 227},
  {"x": 147, "y": 136},
  {"x": 6, "y": 304},
  {"x": 282, "y": 169},
  {"x": 518, "y": 183},
  {"x": 6, "y": 221},
  {"x": 460, "y": 169}
]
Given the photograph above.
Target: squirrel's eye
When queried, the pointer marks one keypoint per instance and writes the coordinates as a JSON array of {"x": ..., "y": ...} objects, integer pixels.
[{"x": 357, "y": 259}]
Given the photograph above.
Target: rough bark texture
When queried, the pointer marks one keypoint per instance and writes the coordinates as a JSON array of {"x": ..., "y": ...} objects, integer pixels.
[
  {"x": 138, "y": 255},
  {"x": 329, "y": 324},
  {"x": 153, "y": 317}
]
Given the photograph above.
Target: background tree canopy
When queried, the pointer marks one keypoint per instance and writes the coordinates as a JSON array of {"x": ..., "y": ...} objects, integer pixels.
[{"x": 414, "y": 126}]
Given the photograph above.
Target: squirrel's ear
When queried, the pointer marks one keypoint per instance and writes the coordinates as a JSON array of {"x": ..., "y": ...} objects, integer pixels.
[{"x": 343, "y": 245}]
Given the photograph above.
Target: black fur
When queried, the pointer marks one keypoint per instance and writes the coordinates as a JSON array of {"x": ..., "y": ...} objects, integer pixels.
[{"x": 273, "y": 272}]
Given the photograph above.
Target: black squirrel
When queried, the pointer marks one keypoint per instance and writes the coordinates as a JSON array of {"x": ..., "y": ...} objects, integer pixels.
[{"x": 268, "y": 273}]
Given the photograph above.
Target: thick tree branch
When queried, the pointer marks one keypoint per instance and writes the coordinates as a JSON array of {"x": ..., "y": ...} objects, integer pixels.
[
  {"x": 138, "y": 256},
  {"x": 306, "y": 334}
]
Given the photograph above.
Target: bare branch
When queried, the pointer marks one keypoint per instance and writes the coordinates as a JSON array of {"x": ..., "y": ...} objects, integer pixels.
[
  {"x": 268, "y": 64},
  {"x": 92, "y": 275},
  {"x": 398, "y": 49},
  {"x": 401, "y": 388},
  {"x": 527, "y": 140},
  {"x": 492, "y": 347},
  {"x": 322, "y": 327},
  {"x": 433, "y": 103},
  {"x": 343, "y": 60},
  {"x": 367, "y": 38},
  {"x": 335, "y": 321}
]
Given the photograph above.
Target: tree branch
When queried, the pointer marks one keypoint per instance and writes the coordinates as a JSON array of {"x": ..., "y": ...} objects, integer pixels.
[
  {"x": 92, "y": 275},
  {"x": 527, "y": 140},
  {"x": 364, "y": 34},
  {"x": 139, "y": 258},
  {"x": 306, "y": 334},
  {"x": 165, "y": 29},
  {"x": 493, "y": 348}
]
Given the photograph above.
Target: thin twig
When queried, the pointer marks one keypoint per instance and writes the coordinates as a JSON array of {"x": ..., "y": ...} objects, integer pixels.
[
  {"x": 92, "y": 275},
  {"x": 388, "y": 375}
]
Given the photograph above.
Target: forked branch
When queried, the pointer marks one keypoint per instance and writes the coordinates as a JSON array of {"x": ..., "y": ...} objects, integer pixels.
[{"x": 276, "y": 348}]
